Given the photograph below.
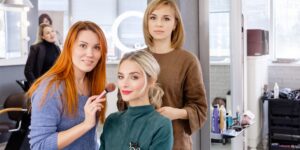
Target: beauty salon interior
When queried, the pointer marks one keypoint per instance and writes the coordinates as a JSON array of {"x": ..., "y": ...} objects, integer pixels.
[{"x": 247, "y": 50}]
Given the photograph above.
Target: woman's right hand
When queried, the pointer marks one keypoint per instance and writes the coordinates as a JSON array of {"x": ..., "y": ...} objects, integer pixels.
[{"x": 91, "y": 107}]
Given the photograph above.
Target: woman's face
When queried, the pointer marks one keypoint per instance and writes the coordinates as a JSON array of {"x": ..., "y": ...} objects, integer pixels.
[
  {"x": 86, "y": 52},
  {"x": 162, "y": 22},
  {"x": 46, "y": 21},
  {"x": 49, "y": 35},
  {"x": 131, "y": 82}
]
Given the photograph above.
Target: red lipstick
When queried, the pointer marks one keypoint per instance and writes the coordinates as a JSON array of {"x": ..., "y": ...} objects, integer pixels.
[{"x": 125, "y": 92}]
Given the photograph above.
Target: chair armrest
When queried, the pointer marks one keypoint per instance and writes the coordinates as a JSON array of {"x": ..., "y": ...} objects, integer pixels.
[{"x": 12, "y": 109}]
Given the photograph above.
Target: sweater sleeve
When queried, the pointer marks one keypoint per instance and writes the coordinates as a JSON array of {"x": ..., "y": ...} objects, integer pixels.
[
  {"x": 195, "y": 97},
  {"x": 44, "y": 121},
  {"x": 163, "y": 139},
  {"x": 30, "y": 63},
  {"x": 102, "y": 137},
  {"x": 106, "y": 128}
]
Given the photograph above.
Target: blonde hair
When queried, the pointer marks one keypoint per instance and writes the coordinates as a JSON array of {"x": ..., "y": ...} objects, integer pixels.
[
  {"x": 151, "y": 69},
  {"x": 62, "y": 71},
  {"x": 177, "y": 37},
  {"x": 41, "y": 32}
]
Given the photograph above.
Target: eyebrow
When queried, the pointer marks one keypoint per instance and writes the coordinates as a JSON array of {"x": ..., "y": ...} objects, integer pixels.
[
  {"x": 156, "y": 15},
  {"x": 98, "y": 44},
  {"x": 131, "y": 73},
  {"x": 84, "y": 42}
]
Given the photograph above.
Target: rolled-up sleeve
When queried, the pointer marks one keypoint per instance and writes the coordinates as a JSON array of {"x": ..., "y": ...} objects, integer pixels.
[
  {"x": 44, "y": 121},
  {"x": 195, "y": 97}
]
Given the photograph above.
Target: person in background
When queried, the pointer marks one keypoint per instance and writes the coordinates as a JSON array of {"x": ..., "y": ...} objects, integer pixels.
[
  {"x": 219, "y": 101},
  {"x": 184, "y": 101},
  {"x": 46, "y": 19},
  {"x": 139, "y": 127},
  {"x": 42, "y": 55},
  {"x": 65, "y": 107}
]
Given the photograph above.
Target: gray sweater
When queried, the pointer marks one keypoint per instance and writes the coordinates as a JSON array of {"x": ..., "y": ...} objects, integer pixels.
[{"x": 47, "y": 120}]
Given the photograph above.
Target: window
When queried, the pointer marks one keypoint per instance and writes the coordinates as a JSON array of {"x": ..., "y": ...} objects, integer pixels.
[
  {"x": 286, "y": 28},
  {"x": 219, "y": 29}
]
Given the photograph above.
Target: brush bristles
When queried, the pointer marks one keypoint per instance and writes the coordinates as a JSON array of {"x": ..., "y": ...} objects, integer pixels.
[{"x": 110, "y": 87}]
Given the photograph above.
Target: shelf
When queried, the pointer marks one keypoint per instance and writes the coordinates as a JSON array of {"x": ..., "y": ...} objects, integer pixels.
[
  {"x": 285, "y": 120},
  {"x": 282, "y": 107},
  {"x": 285, "y": 139},
  {"x": 284, "y": 124},
  {"x": 284, "y": 130}
]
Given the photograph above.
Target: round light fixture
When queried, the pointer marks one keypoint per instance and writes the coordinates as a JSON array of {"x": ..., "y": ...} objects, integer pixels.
[{"x": 115, "y": 26}]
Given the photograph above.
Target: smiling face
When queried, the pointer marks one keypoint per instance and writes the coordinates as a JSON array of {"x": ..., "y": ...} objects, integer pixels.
[
  {"x": 161, "y": 22},
  {"x": 133, "y": 84},
  {"x": 86, "y": 52},
  {"x": 49, "y": 34}
]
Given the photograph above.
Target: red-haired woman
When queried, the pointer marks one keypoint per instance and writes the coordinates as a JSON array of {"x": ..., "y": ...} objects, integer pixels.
[{"x": 64, "y": 114}]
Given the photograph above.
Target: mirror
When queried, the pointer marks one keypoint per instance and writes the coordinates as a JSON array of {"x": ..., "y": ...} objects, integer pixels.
[
  {"x": 2, "y": 34},
  {"x": 220, "y": 70},
  {"x": 122, "y": 25},
  {"x": 13, "y": 32}
]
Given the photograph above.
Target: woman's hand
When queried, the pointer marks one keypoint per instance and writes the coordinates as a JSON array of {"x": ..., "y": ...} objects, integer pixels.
[
  {"x": 173, "y": 113},
  {"x": 91, "y": 107}
]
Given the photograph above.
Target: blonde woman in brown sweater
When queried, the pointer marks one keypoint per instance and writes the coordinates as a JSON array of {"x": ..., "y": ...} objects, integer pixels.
[{"x": 184, "y": 101}]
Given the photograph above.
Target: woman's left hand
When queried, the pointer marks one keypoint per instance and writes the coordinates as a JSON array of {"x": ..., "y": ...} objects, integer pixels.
[{"x": 172, "y": 113}]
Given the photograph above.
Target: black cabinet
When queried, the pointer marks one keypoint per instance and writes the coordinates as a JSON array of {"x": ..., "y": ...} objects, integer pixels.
[{"x": 284, "y": 124}]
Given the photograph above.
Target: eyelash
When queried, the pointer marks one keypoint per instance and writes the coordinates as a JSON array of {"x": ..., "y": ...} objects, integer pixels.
[
  {"x": 83, "y": 45},
  {"x": 134, "y": 77},
  {"x": 97, "y": 48},
  {"x": 120, "y": 77},
  {"x": 152, "y": 18}
]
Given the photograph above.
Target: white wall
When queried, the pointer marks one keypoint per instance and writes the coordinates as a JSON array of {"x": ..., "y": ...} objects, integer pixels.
[
  {"x": 285, "y": 76},
  {"x": 219, "y": 80}
]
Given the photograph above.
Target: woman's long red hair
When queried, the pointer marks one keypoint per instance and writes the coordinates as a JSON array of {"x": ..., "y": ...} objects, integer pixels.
[{"x": 62, "y": 71}]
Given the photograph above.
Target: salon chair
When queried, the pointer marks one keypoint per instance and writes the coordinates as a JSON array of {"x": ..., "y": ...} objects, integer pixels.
[{"x": 15, "y": 106}]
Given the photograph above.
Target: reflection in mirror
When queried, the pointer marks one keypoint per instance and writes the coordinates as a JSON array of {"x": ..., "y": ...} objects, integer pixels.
[
  {"x": 2, "y": 34},
  {"x": 58, "y": 11},
  {"x": 13, "y": 32},
  {"x": 219, "y": 26},
  {"x": 121, "y": 20}
]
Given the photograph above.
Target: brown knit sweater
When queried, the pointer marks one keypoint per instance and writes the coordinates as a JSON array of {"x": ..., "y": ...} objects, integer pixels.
[{"x": 181, "y": 80}]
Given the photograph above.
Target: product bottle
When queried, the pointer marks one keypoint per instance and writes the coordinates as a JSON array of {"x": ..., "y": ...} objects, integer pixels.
[
  {"x": 229, "y": 119},
  {"x": 222, "y": 119},
  {"x": 215, "y": 120},
  {"x": 276, "y": 91}
]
